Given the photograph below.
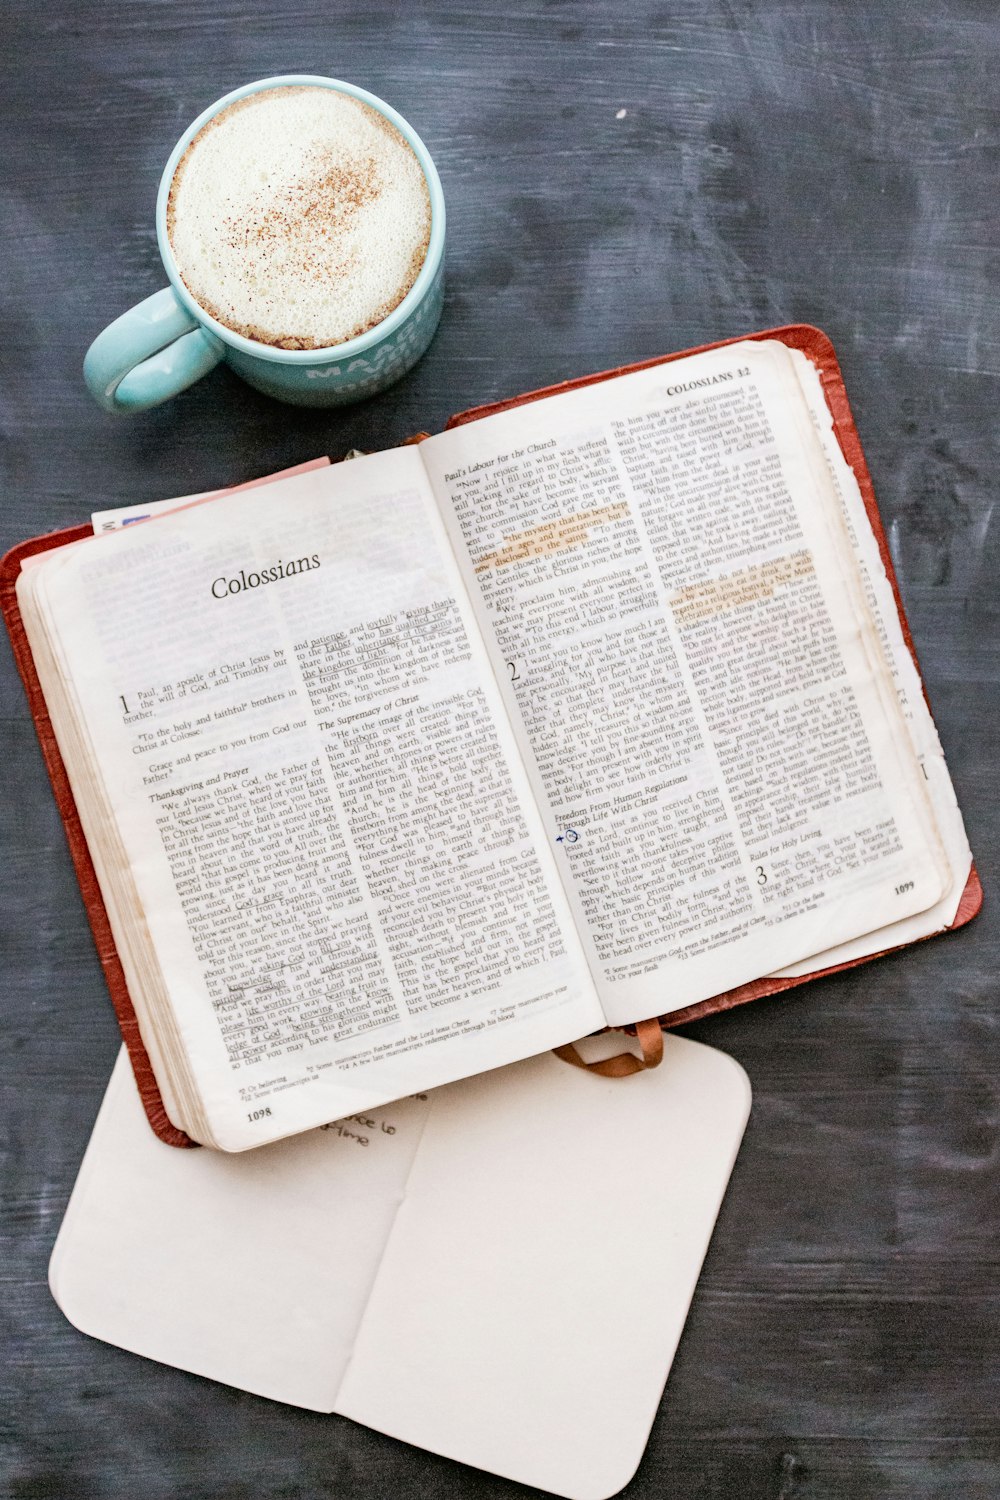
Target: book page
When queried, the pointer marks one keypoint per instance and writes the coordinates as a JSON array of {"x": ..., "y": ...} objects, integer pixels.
[
  {"x": 661, "y": 564},
  {"x": 318, "y": 797},
  {"x": 912, "y": 702},
  {"x": 455, "y": 1270},
  {"x": 251, "y": 1269},
  {"x": 538, "y": 1276}
]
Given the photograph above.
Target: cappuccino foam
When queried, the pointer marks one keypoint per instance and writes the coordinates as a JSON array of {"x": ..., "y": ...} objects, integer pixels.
[{"x": 299, "y": 217}]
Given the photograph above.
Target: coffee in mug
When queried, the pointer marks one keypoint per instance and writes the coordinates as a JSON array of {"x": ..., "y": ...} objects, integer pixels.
[
  {"x": 299, "y": 217},
  {"x": 301, "y": 224}
]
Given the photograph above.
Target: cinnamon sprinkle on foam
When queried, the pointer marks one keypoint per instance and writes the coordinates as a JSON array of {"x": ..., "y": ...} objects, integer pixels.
[{"x": 299, "y": 217}]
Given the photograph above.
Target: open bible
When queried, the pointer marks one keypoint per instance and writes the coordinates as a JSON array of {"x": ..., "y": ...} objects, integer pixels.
[{"x": 581, "y": 713}]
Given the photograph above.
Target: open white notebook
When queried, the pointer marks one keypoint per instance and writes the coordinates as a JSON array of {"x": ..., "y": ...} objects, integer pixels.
[{"x": 498, "y": 1271}]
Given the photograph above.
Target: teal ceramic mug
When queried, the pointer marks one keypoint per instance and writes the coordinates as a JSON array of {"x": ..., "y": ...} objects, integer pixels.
[{"x": 163, "y": 345}]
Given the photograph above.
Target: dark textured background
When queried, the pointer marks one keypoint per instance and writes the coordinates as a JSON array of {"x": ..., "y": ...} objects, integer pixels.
[{"x": 779, "y": 160}]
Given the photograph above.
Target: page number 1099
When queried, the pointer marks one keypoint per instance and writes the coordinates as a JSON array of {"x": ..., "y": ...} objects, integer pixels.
[{"x": 907, "y": 885}]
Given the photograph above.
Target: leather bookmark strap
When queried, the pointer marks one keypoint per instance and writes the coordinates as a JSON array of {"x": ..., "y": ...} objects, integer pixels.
[{"x": 623, "y": 1064}]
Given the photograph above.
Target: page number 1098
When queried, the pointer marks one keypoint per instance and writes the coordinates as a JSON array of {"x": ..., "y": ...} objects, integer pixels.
[{"x": 258, "y": 1114}]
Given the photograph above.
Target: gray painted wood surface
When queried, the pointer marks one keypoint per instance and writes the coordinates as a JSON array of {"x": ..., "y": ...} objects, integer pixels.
[{"x": 822, "y": 161}]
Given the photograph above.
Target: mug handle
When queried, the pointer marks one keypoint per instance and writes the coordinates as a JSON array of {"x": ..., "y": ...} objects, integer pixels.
[{"x": 149, "y": 354}]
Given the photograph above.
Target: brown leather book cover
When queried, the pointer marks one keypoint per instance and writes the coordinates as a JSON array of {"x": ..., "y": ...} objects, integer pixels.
[{"x": 799, "y": 336}]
